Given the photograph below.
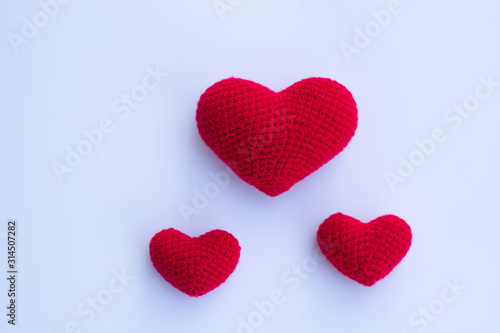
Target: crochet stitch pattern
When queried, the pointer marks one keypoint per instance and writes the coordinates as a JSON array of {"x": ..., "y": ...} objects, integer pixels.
[
  {"x": 364, "y": 252},
  {"x": 273, "y": 140},
  {"x": 194, "y": 265}
]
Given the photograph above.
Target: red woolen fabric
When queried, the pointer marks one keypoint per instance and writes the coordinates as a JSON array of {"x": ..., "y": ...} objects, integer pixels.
[
  {"x": 273, "y": 140},
  {"x": 195, "y": 265},
  {"x": 364, "y": 252}
]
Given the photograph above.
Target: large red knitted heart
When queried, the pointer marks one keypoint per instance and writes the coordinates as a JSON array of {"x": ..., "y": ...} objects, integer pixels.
[
  {"x": 273, "y": 140},
  {"x": 195, "y": 265},
  {"x": 364, "y": 252}
]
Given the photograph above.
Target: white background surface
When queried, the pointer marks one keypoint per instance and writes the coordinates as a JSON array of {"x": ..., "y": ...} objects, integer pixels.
[{"x": 73, "y": 234}]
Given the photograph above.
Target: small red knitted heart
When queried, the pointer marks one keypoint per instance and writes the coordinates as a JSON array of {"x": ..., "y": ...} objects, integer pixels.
[
  {"x": 194, "y": 265},
  {"x": 364, "y": 252},
  {"x": 273, "y": 140}
]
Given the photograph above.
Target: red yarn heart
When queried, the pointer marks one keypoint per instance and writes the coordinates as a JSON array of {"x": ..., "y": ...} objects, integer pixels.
[
  {"x": 364, "y": 252},
  {"x": 273, "y": 140},
  {"x": 195, "y": 265}
]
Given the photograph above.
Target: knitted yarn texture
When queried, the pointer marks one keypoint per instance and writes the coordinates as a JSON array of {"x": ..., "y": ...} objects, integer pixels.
[
  {"x": 195, "y": 265},
  {"x": 273, "y": 140},
  {"x": 364, "y": 252}
]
